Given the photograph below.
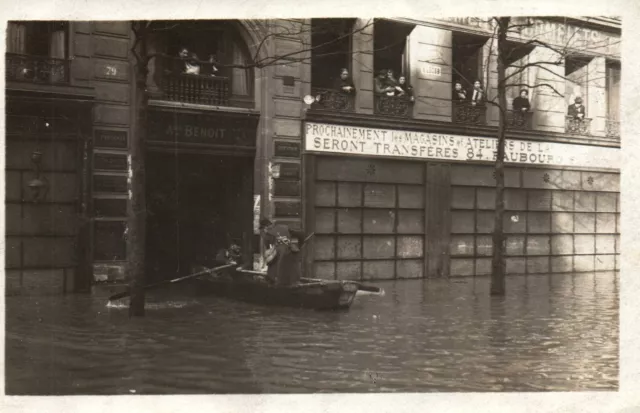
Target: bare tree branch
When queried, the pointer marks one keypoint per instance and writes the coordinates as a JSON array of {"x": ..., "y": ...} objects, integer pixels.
[{"x": 548, "y": 85}]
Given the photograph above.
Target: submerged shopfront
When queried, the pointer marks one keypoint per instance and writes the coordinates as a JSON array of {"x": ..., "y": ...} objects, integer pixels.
[
  {"x": 199, "y": 193},
  {"x": 388, "y": 204}
]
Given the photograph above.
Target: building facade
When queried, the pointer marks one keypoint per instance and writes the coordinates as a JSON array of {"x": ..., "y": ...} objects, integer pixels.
[{"x": 252, "y": 119}]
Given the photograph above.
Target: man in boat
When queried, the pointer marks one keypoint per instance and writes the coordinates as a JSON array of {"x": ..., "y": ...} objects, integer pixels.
[
  {"x": 231, "y": 255},
  {"x": 283, "y": 250}
]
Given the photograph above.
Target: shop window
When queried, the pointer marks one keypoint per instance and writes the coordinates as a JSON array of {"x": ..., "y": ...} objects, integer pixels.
[
  {"x": 613, "y": 99},
  {"x": 391, "y": 65},
  {"x": 37, "y": 52},
  {"x": 469, "y": 91}
]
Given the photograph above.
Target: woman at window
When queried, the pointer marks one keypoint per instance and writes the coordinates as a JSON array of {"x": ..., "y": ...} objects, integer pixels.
[
  {"x": 381, "y": 84},
  {"x": 459, "y": 94},
  {"x": 403, "y": 88},
  {"x": 477, "y": 94},
  {"x": 392, "y": 83},
  {"x": 191, "y": 65},
  {"x": 521, "y": 103},
  {"x": 344, "y": 83}
]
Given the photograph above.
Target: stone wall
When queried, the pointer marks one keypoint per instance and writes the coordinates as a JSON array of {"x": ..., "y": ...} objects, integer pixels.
[
  {"x": 290, "y": 81},
  {"x": 431, "y": 74},
  {"x": 42, "y": 226},
  {"x": 112, "y": 119}
]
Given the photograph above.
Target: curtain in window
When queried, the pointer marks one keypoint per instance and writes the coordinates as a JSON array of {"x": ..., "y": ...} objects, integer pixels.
[
  {"x": 57, "y": 44},
  {"x": 613, "y": 92},
  {"x": 16, "y": 35},
  {"x": 239, "y": 77},
  {"x": 57, "y": 50}
]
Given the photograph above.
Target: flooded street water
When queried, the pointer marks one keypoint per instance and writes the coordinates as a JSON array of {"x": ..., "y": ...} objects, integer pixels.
[{"x": 550, "y": 333}]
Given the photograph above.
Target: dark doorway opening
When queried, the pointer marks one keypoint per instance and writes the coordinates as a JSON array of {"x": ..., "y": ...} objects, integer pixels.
[{"x": 196, "y": 204}]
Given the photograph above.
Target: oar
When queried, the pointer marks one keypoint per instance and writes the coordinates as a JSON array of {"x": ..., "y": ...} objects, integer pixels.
[{"x": 175, "y": 280}]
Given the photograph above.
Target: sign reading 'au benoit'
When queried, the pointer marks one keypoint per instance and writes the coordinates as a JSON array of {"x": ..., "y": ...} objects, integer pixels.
[{"x": 320, "y": 137}]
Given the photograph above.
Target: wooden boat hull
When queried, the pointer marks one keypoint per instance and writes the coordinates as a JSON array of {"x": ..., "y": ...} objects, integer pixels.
[{"x": 317, "y": 295}]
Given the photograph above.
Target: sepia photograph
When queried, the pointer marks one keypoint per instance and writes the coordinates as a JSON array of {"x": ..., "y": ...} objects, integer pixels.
[{"x": 330, "y": 205}]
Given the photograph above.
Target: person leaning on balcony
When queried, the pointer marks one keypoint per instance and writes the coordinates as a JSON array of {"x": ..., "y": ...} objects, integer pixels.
[
  {"x": 403, "y": 88},
  {"x": 211, "y": 68},
  {"x": 392, "y": 82},
  {"x": 344, "y": 83},
  {"x": 178, "y": 65},
  {"x": 191, "y": 65},
  {"x": 459, "y": 94},
  {"x": 521, "y": 103},
  {"x": 577, "y": 110},
  {"x": 381, "y": 84},
  {"x": 477, "y": 94}
]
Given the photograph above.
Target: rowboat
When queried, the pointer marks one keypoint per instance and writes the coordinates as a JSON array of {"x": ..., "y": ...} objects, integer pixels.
[{"x": 252, "y": 287}]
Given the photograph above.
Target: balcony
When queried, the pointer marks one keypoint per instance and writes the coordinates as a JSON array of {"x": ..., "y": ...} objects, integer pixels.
[
  {"x": 575, "y": 126},
  {"x": 612, "y": 128},
  {"x": 199, "y": 89},
  {"x": 519, "y": 120},
  {"x": 35, "y": 69},
  {"x": 397, "y": 106},
  {"x": 468, "y": 114},
  {"x": 334, "y": 100}
]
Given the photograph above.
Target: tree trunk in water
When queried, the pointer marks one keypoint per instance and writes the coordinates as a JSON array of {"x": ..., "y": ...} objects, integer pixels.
[
  {"x": 498, "y": 266},
  {"x": 136, "y": 211}
]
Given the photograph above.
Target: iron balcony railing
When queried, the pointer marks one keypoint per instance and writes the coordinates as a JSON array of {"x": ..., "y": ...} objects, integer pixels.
[
  {"x": 398, "y": 106},
  {"x": 200, "y": 89},
  {"x": 612, "y": 128},
  {"x": 36, "y": 69},
  {"x": 334, "y": 100},
  {"x": 468, "y": 114},
  {"x": 519, "y": 120},
  {"x": 576, "y": 126}
]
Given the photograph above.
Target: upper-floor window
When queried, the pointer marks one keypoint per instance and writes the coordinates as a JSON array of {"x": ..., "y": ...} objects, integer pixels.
[
  {"x": 613, "y": 90},
  {"x": 519, "y": 76},
  {"x": 38, "y": 38},
  {"x": 469, "y": 91},
  {"x": 392, "y": 83},
  {"x": 467, "y": 60},
  {"x": 391, "y": 52},
  {"x": 577, "y": 77},
  {"x": 612, "y": 125},
  {"x": 204, "y": 62},
  {"x": 330, "y": 51},
  {"x": 37, "y": 52},
  {"x": 576, "y": 88}
]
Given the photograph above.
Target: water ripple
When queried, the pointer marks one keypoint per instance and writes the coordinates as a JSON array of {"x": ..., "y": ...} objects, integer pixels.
[{"x": 556, "y": 333}]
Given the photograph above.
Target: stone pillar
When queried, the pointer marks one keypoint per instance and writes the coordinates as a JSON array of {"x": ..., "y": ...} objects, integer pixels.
[
  {"x": 362, "y": 64},
  {"x": 291, "y": 81},
  {"x": 155, "y": 68},
  {"x": 81, "y": 72},
  {"x": 431, "y": 73},
  {"x": 549, "y": 109}
]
